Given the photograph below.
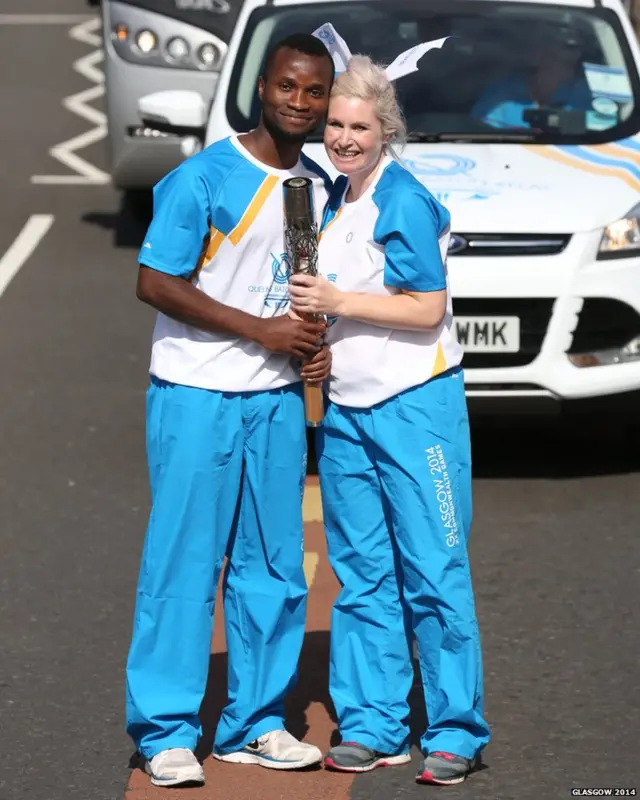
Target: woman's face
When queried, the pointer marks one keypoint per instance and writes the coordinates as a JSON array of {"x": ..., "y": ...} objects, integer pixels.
[{"x": 353, "y": 135}]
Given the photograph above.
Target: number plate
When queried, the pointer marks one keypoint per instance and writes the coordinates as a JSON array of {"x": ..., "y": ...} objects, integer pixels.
[{"x": 488, "y": 334}]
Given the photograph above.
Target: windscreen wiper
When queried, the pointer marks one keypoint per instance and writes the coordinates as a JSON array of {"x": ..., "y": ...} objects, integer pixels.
[{"x": 497, "y": 138}]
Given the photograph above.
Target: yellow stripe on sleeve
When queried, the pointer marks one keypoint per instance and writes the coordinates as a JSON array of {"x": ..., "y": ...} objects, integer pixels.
[
  {"x": 329, "y": 224},
  {"x": 217, "y": 237},
  {"x": 260, "y": 198},
  {"x": 209, "y": 249}
]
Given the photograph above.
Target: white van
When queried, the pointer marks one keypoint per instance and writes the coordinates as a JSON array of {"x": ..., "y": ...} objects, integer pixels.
[{"x": 544, "y": 260}]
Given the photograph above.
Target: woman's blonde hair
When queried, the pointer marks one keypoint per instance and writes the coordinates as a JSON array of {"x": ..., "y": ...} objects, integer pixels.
[{"x": 365, "y": 80}]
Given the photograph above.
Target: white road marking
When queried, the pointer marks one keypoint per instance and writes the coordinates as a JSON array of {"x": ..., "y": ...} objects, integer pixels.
[
  {"x": 43, "y": 19},
  {"x": 28, "y": 239},
  {"x": 65, "y": 153}
]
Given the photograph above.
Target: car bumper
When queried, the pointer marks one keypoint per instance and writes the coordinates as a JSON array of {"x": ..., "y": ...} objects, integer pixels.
[{"x": 555, "y": 297}]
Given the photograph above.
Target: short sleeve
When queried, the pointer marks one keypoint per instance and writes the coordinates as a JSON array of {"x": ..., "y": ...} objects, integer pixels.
[
  {"x": 501, "y": 104},
  {"x": 582, "y": 98},
  {"x": 409, "y": 227},
  {"x": 483, "y": 106},
  {"x": 180, "y": 225}
]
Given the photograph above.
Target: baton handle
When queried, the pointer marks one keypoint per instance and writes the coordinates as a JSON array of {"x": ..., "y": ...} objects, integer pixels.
[
  {"x": 313, "y": 404},
  {"x": 301, "y": 242},
  {"x": 313, "y": 393}
]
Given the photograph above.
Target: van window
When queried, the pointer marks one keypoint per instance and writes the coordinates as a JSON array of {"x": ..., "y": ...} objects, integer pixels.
[{"x": 511, "y": 71}]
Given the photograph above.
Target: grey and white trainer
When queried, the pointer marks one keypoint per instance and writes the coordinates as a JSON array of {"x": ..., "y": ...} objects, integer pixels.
[
  {"x": 355, "y": 757},
  {"x": 444, "y": 769}
]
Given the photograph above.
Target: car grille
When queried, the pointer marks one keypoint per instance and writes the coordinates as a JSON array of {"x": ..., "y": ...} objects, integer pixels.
[
  {"x": 534, "y": 314},
  {"x": 604, "y": 324},
  {"x": 507, "y": 244}
]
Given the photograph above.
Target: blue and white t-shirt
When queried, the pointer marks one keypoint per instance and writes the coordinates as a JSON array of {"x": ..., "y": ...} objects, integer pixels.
[
  {"x": 218, "y": 221},
  {"x": 393, "y": 238}
]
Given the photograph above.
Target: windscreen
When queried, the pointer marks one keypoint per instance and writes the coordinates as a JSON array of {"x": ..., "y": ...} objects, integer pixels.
[{"x": 509, "y": 71}]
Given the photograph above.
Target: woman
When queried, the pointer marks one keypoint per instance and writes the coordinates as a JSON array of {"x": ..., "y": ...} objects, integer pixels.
[{"x": 394, "y": 451}]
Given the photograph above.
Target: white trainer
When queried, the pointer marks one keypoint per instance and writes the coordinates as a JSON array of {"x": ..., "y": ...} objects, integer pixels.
[
  {"x": 174, "y": 767},
  {"x": 275, "y": 750}
]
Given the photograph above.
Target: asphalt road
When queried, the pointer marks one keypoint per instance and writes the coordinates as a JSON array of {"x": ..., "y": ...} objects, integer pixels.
[{"x": 555, "y": 553}]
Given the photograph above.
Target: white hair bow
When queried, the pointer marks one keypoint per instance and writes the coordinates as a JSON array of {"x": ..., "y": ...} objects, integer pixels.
[{"x": 404, "y": 64}]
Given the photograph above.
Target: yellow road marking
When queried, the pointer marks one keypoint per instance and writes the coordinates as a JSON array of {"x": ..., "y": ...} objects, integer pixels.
[
  {"x": 311, "y": 512},
  {"x": 312, "y": 504},
  {"x": 310, "y": 565}
]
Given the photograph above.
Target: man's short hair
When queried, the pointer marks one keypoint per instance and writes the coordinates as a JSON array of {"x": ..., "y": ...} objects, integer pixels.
[{"x": 305, "y": 43}]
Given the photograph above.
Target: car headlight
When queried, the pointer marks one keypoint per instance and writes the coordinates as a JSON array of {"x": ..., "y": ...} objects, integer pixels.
[
  {"x": 209, "y": 56},
  {"x": 195, "y": 50},
  {"x": 621, "y": 239},
  {"x": 146, "y": 41},
  {"x": 178, "y": 48}
]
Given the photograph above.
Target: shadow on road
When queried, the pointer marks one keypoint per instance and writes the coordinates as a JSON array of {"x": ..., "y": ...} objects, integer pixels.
[
  {"x": 545, "y": 447},
  {"x": 312, "y": 687},
  {"x": 553, "y": 448},
  {"x": 215, "y": 698},
  {"x": 129, "y": 224}
]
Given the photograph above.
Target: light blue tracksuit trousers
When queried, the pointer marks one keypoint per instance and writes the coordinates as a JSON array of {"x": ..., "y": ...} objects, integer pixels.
[
  {"x": 227, "y": 475},
  {"x": 396, "y": 489}
]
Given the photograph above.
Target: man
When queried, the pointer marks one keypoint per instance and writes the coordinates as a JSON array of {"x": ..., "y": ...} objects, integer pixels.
[
  {"x": 555, "y": 81},
  {"x": 226, "y": 437}
]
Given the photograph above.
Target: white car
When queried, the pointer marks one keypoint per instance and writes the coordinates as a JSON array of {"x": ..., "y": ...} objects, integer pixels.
[{"x": 544, "y": 260}]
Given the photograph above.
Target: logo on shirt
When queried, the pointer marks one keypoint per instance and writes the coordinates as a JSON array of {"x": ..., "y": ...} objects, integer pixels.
[
  {"x": 331, "y": 321},
  {"x": 276, "y": 293},
  {"x": 281, "y": 268}
]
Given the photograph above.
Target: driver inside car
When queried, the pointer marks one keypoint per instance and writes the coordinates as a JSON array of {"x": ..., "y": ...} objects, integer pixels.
[{"x": 556, "y": 81}]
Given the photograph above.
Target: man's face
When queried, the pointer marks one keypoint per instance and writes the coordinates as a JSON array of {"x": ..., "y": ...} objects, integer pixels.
[
  {"x": 295, "y": 94},
  {"x": 554, "y": 58}
]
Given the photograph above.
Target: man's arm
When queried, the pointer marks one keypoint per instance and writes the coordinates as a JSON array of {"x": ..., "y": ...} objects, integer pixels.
[
  {"x": 173, "y": 246},
  {"x": 180, "y": 300}
]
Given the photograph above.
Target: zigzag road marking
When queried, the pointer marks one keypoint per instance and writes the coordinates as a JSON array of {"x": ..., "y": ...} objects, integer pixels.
[{"x": 65, "y": 153}]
